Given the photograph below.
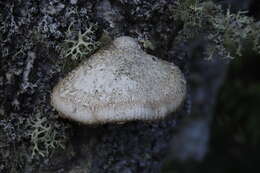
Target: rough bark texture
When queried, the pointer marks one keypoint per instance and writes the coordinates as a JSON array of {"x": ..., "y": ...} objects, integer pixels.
[{"x": 32, "y": 34}]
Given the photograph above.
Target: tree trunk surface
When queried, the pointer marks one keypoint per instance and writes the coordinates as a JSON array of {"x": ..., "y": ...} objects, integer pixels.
[{"x": 32, "y": 36}]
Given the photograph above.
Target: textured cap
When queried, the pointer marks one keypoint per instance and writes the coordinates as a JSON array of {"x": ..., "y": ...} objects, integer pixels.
[{"x": 120, "y": 83}]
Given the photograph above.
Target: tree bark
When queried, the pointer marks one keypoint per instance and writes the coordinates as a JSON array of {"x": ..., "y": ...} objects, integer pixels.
[{"x": 32, "y": 36}]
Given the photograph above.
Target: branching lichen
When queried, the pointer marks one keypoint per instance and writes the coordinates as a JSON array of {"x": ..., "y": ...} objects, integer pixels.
[
  {"x": 83, "y": 45},
  {"x": 44, "y": 135},
  {"x": 224, "y": 32}
]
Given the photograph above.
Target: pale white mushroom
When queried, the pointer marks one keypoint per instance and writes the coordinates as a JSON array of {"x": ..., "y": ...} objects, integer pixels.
[{"x": 120, "y": 83}]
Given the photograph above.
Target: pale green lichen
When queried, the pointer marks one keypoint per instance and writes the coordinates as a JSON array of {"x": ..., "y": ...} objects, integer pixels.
[
  {"x": 83, "y": 45},
  {"x": 224, "y": 33},
  {"x": 44, "y": 136}
]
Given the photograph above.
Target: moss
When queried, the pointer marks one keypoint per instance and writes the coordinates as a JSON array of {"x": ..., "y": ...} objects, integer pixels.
[{"x": 224, "y": 33}]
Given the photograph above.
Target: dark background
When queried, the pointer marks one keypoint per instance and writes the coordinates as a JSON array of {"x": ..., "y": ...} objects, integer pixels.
[{"x": 235, "y": 131}]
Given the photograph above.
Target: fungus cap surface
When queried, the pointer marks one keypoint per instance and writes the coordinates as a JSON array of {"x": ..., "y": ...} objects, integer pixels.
[{"x": 120, "y": 83}]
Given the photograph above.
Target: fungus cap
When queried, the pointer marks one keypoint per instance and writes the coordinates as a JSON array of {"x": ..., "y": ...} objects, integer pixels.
[{"x": 120, "y": 83}]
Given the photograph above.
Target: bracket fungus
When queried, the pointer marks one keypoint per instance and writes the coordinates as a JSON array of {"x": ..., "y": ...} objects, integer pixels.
[{"x": 120, "y": 83}]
